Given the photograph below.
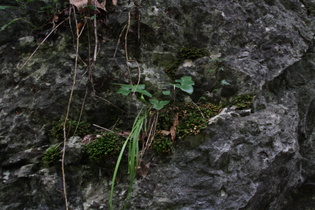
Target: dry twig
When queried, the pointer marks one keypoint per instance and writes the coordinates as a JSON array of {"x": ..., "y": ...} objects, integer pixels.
[{"x": 52, "y": 30}]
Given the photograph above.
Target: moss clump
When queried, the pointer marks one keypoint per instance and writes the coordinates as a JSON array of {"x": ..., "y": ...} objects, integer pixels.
[
  {"x": 189, "y": 52},
  {"x": 106, "y": 145},
  {"x": 162, "y": 145},
  {"x": 243, "y": 101},
  {"x": 170, "y": 68},
  {"x": 51, "y": 155},
  {"x": 192, "y": 53},
  {"x": 192, "y": 118},
  {"x": 73, "y": 127}
]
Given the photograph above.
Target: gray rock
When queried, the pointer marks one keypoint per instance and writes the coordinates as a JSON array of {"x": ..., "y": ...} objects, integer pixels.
[{"x": 254, "y": 159}]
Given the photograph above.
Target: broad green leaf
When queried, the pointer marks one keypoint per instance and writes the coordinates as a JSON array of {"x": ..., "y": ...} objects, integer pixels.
[
  {"x": 166, "y": 93},
  {"x": 187, "y": 88},
  {"x": 124, "y": 90},
  {"x": 187, "y": 80},
  {"x": 144, "y": 92},
  {"x": 127, "y": 89},
  {"x": 158, "y": 104},
  {"x": 186, "y": 84},
  {"x": 139, "y": 87}
]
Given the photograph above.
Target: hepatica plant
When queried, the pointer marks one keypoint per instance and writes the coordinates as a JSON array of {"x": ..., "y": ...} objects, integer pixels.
[
  {"x": 185, "y": 84},
  {"x": 132, "y": 142}
]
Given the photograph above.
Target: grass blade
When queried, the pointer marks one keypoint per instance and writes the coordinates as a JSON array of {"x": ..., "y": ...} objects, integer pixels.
[{"x": 133, "y": 156}]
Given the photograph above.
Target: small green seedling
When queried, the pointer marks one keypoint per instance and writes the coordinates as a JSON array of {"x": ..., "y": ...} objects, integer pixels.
[
  {"x": 127, "y": 89},
  {"x": 185, "y": 83}
]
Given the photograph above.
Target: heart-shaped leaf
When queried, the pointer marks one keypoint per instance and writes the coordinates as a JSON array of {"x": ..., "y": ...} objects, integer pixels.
[
  {"x": 187, "y": 88},
  {"x": 127, "y": 89},
  {"x": 185, "y": 84},
  {"x": 124, "y": 90},
  {"x": 158, "y": 104},
  {"x": 185, "y": 80}
]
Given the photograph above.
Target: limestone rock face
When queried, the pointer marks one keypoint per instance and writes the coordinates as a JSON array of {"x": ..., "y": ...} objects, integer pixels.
[{"x": 255, "y": 159}]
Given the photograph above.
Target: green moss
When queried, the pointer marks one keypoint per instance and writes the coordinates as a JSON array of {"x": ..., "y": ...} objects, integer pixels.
[
  {"x": 171, "y": 68},
  {"x": 51, "y": 156},
  {"x": 189, "y": 52},
  {"x": 243, "y": 101},
  {"x": 162, "y": 145},
  {"x": 192, "y": 53},
  {"x": 192, "y": 118},
  {"x": 107, "y": 145},
  {"x": 73, "y": 127}
]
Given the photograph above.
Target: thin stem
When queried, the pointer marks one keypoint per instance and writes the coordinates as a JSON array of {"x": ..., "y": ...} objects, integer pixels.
[
  {"x": 67, "y": 116},
  {"x": 126, "y": 47},
  {"x": 53, "y": 29}
]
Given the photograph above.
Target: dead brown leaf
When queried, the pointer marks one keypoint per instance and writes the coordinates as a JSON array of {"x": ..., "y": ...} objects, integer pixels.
[
  {"x": 143, "y": 169},
  {"x": 54, "y": 18},
  {"x": 164, "y": 132},
  {"x": 82, "y": 4},
  {"x": 79, "y": 26}
]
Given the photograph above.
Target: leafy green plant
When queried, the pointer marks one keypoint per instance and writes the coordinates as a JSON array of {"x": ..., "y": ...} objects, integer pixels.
[
  {"x": 127, "y": 89},
  {"x": 51, "y": 155},
  {"x": 73, "y": 127},
  {"x": 158, "y": 105},
  {"x": 106, "y": 145},
  {"x": 185, "y": 84},
  {"x": 163, "y": 145}
]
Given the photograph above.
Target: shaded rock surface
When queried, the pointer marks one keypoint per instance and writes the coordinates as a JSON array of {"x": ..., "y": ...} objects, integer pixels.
[{"x": 254, "y": 161}]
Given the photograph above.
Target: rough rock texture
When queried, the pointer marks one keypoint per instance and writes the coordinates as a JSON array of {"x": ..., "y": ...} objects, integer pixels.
[{"x": 253, "y": 161}]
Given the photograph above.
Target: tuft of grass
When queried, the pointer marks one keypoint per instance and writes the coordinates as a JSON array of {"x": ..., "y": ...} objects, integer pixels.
[{"x": 133, "y": 155}]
